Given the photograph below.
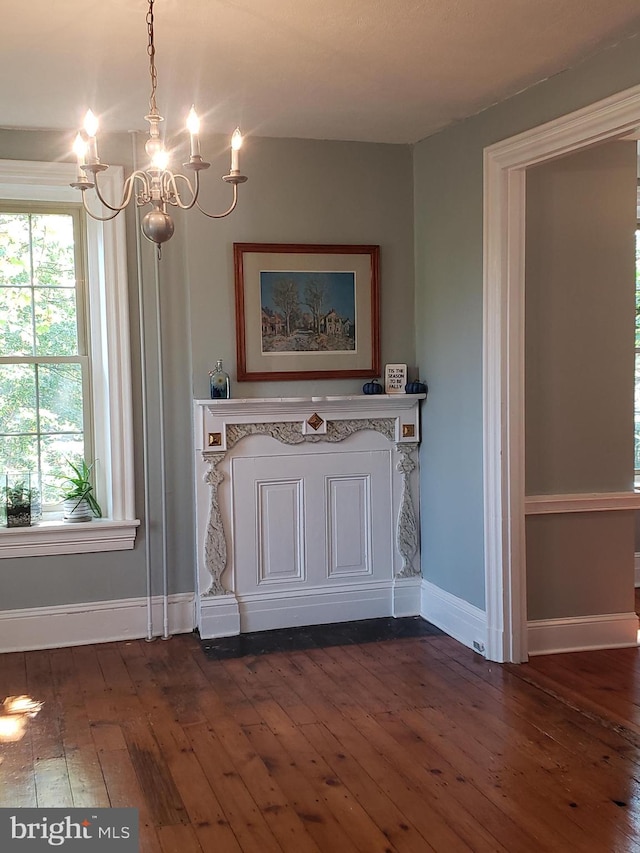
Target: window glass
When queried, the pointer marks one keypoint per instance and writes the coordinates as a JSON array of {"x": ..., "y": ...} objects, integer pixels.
[
  {"x": 44, "y": 370},
  {"x": 637, "y": 366}
]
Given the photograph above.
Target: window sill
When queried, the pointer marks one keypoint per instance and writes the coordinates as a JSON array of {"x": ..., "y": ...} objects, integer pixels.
[{"x": 55, "y": 537}]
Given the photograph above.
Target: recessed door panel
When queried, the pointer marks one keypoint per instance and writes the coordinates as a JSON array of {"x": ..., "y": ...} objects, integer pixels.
[
  {"x": 311, "y": 520},
  {"x": 280, "y": 531},
  {"x": 348, "y": 525}
]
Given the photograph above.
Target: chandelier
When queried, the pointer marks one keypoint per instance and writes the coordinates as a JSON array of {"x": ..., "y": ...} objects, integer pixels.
[{"x": 157, "y": 185}]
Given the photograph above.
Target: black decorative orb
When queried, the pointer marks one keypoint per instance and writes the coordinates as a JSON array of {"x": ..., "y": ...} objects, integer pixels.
[{"x": 158, "y": 226}]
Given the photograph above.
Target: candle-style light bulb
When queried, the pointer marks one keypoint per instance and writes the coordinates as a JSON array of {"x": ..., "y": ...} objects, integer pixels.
[
  {"x": 193, "y": 122},
  {"x": 236, "y": 145},
  {"x": 91, "y": 129},
  {"x": 193, "y": 126},
  {"x": 79, "y": 148}
]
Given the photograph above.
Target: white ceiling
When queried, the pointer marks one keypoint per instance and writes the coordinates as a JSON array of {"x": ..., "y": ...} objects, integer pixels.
[{"x": 369, "y": 70}]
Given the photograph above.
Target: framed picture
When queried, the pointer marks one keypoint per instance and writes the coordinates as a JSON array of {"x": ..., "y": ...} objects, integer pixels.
[{"x": 306, "y": 311}]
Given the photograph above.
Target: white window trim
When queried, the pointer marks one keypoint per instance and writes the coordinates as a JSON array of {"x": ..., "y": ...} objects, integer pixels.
[{"x": 113, "y": 423}]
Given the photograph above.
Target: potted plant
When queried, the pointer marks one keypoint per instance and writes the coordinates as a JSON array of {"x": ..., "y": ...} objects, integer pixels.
[
  {"x": 78, "y": 501},
  {"x": 22, "y": 502}
]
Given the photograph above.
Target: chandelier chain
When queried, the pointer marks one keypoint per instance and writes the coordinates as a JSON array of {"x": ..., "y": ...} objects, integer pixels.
[
  {"x": 156, "y": 185},
  {"x": 151, "y": 51}
]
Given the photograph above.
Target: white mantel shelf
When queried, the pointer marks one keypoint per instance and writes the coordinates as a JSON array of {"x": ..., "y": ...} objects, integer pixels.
[
  {"x": 294, "y": 405},
  {"x": 306, "y": 510},
  {"x": 213, "y": 416}
]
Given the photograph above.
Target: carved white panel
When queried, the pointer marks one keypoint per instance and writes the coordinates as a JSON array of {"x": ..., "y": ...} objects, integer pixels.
[
  {"x": 300, "y": 526},
  {"x": 280, "y": 518},
  {"x": 348, "y": 526}
]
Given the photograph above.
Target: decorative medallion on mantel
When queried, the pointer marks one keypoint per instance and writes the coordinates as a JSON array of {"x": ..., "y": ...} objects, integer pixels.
[{"x": 315, "y": 421}]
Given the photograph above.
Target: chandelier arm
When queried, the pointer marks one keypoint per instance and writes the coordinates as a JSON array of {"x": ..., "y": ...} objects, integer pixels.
[
  {"x": 126, "y": 193},
  {"x": 94, "y": 215},
  {"x": 227, "y": 212},
  {"x": 172, "y": 185}
]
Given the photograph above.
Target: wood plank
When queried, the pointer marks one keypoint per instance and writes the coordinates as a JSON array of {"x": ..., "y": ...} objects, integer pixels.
[
  {"x": 402, "y": 835},
  {"x": 411, "y": 745},
  {"x": 53, "y": 789},
  {"x": 156, "y": 781},
  {"x": 180, "y": 839},
  {"x": 287, "y": 827},
  {"x": 272, "y": 673},
  {"x": 211, "y": 819},
  {"x": 17, "y": 775},
  {"x": 125, "y": 792},
  {"x": 533, "y": 770},
  {"x": 605, "y": 694},
  {"x": 465, "y": 795},
  {"x": 347, "y": 810},
  {"x": 14, "y": 675},
  {"x": 301, "y": 793},
  {"x": 421, "y": 811},
  {"x": 223, "y": 689},
  {"x": 45, "y": 730},
  {"x": 435, "y": 685}
]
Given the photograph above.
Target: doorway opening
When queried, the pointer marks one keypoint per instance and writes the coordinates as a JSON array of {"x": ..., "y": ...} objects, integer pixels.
[{"x": 505, "y": 166}]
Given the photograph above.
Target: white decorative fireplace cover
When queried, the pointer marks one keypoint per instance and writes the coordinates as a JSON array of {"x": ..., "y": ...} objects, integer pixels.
[{"x": 319, "y": 438}]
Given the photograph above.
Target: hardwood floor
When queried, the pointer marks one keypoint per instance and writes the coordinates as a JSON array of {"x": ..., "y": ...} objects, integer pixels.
[{"x": 405, "y": 745}]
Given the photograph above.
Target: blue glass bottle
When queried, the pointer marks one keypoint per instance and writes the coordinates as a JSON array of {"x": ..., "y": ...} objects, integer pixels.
[{"x": 219, "y": 383}]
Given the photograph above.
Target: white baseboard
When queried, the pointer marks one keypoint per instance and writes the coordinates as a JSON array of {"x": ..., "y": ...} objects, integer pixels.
[
  {"x": 582, "y": 633},
  {"x": 92, "y": 622},
  {"x": 406, "y": 596},
  {"x": 455, "y": 616},
  {"x": 321, "y": 605},
  {"x": 226, "y": 615},
  {"x": 219, "y": 616}
]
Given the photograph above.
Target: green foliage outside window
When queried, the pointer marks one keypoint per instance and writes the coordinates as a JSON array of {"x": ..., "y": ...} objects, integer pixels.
[
  {"x": 41, "y": 362},
  {"x": 637, "y": 367}
]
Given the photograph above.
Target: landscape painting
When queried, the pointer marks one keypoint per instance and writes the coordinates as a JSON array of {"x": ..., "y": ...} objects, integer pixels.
[{"x": 308, "y": 311}]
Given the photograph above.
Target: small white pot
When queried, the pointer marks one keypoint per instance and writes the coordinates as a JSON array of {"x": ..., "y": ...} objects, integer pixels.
[{"x": 76, "y": 510}]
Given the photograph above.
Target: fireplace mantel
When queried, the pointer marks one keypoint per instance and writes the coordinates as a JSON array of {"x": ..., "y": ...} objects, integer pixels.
[{"x": 306, "y": 510}]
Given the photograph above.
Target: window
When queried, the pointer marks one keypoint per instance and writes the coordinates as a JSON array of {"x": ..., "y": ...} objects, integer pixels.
[
  {"x": 637, "y": 366},
  {"x": 65, "y": 386},
  {"x": 45, "y": 393}
]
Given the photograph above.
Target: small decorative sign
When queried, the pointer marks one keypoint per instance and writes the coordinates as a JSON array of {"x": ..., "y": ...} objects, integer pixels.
[{"x": 395, "y": 378}]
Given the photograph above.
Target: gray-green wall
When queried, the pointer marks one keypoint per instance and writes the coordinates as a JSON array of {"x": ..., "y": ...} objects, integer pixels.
[
  {"x": 448, "y": 241},
  {"x": 344, "y": 192},
  {"x": 579, "y": 377},
  {"x": 298, "y": 191},
  {"x": 579, "y": 321}
]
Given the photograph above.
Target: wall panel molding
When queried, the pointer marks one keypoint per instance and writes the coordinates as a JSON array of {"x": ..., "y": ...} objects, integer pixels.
[
  {"x": 588, "y": 502},
  {"x": 582, "y": 633}
]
